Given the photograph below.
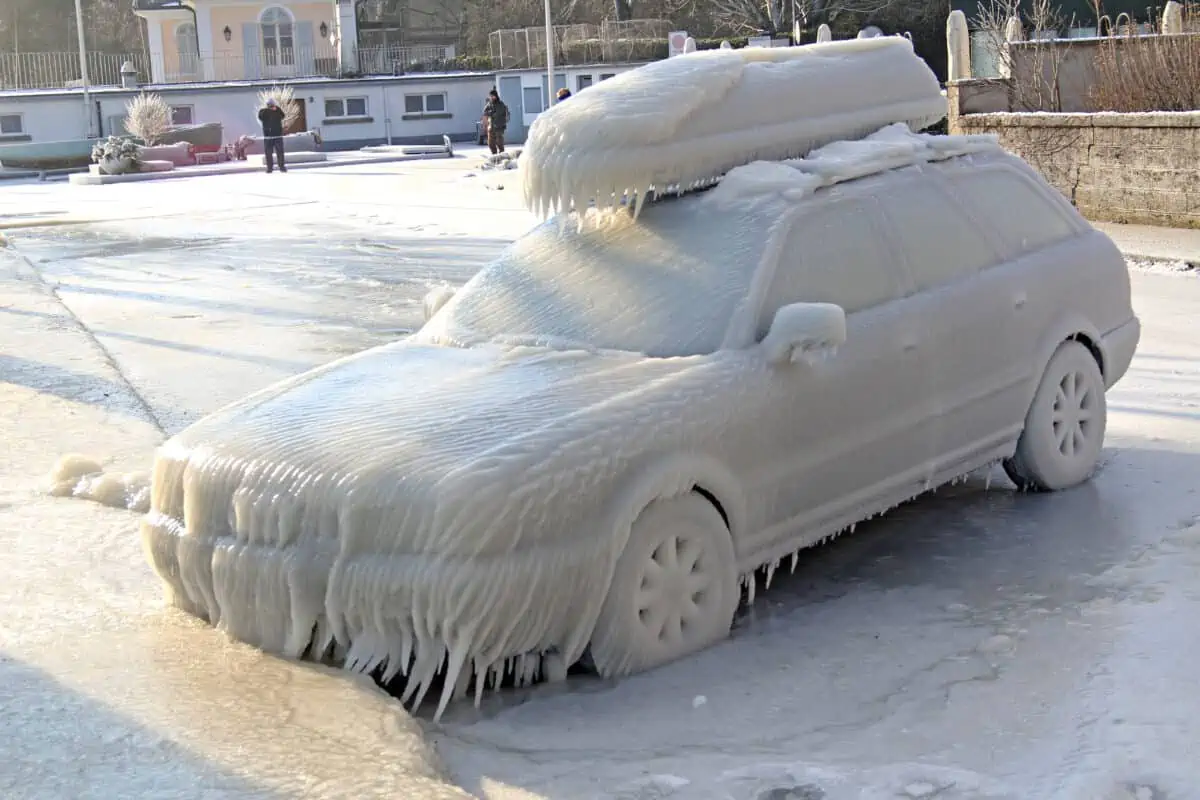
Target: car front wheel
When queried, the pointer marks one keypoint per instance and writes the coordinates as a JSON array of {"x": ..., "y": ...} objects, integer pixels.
[
  {"x": 1064, "y": 428},
  {"x": 674, "y": 592}
]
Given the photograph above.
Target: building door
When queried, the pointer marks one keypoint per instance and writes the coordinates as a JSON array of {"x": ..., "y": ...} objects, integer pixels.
[
  {"x": 300, "y": 125},
  {"x": 510, "y": 93}
]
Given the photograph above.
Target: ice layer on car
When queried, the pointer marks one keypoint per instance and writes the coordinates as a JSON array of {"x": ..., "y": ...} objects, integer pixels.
[
  {"x": 454, "y": 503},
  {"x": 689, "y": 119}
]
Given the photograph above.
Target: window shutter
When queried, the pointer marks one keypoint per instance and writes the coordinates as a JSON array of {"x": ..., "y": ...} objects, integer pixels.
[
  {"x": 251, "y": 50},
  {"x": 306, "y": 56}
]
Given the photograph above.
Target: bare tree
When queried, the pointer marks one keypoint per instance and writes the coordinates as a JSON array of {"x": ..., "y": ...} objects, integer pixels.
[
  {"x": 773, "y": 17},
  {"x": 1032, "y": 67}
]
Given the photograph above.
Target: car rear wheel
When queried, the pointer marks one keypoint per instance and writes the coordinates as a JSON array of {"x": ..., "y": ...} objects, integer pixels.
[
  {"x": 674, "y": 592},
  {"x": 1064, "y": 428}
]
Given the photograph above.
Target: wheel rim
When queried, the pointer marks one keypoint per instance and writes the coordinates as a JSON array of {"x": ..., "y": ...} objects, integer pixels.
[
  {"x": 677, "y": 597},
  {"x": 1074, "y": 415}
]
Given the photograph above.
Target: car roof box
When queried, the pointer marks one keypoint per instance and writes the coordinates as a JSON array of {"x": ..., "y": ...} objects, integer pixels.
[{"x": 685, "y": 121}]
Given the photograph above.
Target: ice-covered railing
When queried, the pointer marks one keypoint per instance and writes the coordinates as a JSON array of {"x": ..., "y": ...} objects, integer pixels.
[{"x": 686, "y": 121}]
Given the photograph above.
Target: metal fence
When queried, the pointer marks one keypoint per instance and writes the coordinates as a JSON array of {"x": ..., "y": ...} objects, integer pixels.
[
  {"x": 608, "y": 42},
  {"x": 394, "y": 59},
  {"x": 61, "y": 70}
]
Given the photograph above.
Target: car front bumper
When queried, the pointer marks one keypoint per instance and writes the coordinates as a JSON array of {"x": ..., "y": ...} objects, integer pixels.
[
  {"x": 1119, "y": 345},
  {"x": 412, "y": 615}
]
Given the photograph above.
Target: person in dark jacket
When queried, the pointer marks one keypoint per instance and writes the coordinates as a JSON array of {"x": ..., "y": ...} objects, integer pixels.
[
  {"x": 496, "y": 114},
  {"x": 272, "y": 118},
  {"x": 563, "y": 94}
]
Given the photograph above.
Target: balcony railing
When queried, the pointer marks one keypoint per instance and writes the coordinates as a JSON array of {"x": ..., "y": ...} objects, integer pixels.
[{"x": 61, "y": 70}]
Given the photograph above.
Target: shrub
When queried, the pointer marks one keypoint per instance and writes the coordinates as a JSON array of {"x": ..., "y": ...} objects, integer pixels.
[
  {"x": 284, "y": 97},
  {"x": 148, "y": 117},
  {"x": 1147, "y": 73},
  {"x": 117, "y": 155}
]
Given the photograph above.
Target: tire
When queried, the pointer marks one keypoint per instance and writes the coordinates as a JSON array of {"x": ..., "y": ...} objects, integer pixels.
[
  {"x": 1065, "y": 424},
  {"x": 674, "y": 591}
]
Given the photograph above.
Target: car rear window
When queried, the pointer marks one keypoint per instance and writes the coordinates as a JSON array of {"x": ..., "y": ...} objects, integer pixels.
[{"x": 1024, "y": 218}]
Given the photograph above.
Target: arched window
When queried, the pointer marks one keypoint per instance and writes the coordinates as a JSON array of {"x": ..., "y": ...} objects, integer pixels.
[
  {"x": 188, "y": 48},
  {"x": 278, "y": 44}
]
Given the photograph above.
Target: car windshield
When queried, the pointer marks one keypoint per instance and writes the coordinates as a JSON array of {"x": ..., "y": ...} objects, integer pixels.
[{"x": 665, "y": 285}]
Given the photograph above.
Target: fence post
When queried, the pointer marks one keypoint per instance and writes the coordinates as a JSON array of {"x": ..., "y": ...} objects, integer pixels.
[
  {"x": 958, "y": 44},
  {"x": 1172, "y": 18}
]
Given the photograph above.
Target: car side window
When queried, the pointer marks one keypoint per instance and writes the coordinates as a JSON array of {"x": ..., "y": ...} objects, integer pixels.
[
  {"x": 938, "y": 241},
  {"x": 834, "y": 253},
  {"x": 1025, "y": 220}
]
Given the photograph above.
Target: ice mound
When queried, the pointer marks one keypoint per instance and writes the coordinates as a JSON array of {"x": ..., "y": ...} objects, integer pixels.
[
  {"x": 509, "y": 159},
  {"x": 888, "y": 148},
  {"x": 685, "y": 121},
  {"x": 82, "y": 477}
]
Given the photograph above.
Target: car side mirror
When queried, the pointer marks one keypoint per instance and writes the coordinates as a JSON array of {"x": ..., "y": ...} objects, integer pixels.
[
  {"x": 803, "y": 331},
  {"x": 436, "y": 299}
]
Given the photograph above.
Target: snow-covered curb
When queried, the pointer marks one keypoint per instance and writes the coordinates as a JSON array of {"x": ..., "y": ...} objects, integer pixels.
[{"x": 1163, "y": 266}]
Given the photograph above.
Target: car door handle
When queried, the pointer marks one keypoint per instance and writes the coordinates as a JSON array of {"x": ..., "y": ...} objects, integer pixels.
[
  {"x": 911, "y": 345},
  {"x": 1020, "y": 300}
]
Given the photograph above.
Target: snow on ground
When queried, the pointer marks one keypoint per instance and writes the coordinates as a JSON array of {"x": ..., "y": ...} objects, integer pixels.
[{"x": 973, "y": 644}]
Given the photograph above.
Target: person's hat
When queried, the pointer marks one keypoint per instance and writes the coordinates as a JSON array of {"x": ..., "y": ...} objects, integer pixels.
[{"x": 270, "y": 101}]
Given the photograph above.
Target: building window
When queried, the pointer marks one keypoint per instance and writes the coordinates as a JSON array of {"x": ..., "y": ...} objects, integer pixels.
[
  {"x": 181, "y": 115},
  {"x": 425, "y": 103},
  {"x": 278, "y": 45},
  {"x": 582, "y": 82},
  {"x": 188, "y": 47},
  {"x": 605, "y": 76},
  {"x": 533, "y": 99},
  {"x": 11, "y": 125},
  {"x": 345, "y": 107}
]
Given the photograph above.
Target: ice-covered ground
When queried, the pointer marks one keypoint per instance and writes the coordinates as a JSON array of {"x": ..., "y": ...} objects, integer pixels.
[{"x": 973, "y": 644}]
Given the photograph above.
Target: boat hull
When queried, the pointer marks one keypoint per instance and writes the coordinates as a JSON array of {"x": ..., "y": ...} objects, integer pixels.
[
  {"x": 205, "y": 136},
  {"x": 67, "y": 154}
]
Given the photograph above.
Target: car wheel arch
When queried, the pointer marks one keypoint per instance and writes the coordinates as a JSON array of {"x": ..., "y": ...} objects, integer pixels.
[
  {"x": 1092, "y": 343},
  {"x": 1073, "y": 328},
  {"x": 661, "y": 479}
]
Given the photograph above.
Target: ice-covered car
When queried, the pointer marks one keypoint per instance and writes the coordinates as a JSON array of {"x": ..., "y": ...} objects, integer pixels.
[{"x": 592, "y": 446}]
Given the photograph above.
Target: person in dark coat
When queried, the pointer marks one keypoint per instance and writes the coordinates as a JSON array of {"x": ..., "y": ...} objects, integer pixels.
[
  {"x": 496, "y": 114},
  {"x": 272, "y": 117},
  {"x": 563, "y": 94}
]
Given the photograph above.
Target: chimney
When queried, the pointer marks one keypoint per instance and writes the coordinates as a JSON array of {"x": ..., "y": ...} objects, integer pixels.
[{"x": 129, "y": 76}]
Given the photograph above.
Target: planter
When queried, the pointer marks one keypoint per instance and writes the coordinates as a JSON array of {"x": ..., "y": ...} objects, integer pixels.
[{"x": 117, "y": 166}]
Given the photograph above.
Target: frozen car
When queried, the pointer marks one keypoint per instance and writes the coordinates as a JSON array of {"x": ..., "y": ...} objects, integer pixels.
[{"x": 592, "y": 446}]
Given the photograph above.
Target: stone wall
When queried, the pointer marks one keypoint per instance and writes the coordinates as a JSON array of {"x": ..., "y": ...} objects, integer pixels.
[{"x": 1134, "y": 168}]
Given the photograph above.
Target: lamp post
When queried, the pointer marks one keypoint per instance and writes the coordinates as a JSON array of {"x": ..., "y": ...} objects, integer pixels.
[
  {"x": 83, "y": 69},
  {"x": 549, "y": 55}
]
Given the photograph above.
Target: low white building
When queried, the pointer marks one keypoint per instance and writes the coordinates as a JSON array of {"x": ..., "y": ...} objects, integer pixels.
[{"x": 348, "y": 113}]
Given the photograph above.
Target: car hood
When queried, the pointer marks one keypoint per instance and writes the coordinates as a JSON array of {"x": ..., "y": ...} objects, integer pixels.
[{"x": 414, "y": 439}]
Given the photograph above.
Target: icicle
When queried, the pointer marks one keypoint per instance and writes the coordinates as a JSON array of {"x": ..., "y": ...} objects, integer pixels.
[
  {"x": 752, "y": 582},
  {"x": 429, "y": 658},
  {"x": 770, "y": 574},
  {"x": 795, "y": 561},
  {"x": 641, "y": 198},
  {"x": 458, "y": 657}
]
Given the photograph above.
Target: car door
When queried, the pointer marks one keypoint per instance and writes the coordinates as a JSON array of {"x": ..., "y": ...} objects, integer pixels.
[
  {"x": 967, "y": 308},
  {"x": 850, "y": 431},
  {"x": 1036, "y": 273}
]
